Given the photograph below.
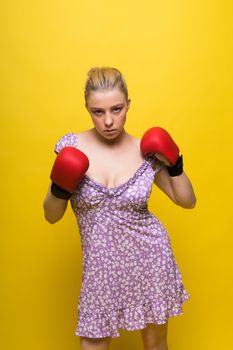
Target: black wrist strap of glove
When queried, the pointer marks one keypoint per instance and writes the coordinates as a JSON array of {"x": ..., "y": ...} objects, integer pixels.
[
  {"x": 59, "y": 192},
  {"x": 177, "y": 168}
]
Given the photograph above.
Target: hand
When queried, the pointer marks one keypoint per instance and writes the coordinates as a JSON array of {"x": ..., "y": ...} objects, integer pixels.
[
  {"x": 158, "y": 142},
  {"x": 69, "y": 167}
]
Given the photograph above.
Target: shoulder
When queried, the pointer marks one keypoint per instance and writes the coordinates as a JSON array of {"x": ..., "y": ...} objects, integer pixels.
[
  {"x": 155, "y": 162},
  {"x": 134, "y": 141},
  {"x": 68, "y": 139},
  {"x": 156, "y": 165}
]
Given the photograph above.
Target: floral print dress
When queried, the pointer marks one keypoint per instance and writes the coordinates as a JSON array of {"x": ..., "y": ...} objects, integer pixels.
[{"x": 129, "y": 273}]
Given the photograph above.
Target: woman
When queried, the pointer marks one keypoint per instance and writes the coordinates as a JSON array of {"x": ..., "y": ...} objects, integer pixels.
[{"x": 130, "y": 277}]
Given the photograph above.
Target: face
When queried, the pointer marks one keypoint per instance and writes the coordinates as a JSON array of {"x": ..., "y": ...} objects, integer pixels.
[{"x": 108, "y": 110}]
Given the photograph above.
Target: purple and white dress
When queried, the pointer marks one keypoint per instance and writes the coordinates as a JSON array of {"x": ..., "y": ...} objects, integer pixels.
[{"x": 129, "y": 273}]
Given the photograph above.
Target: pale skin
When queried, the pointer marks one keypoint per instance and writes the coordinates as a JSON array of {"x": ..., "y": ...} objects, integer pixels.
[{"x": 114, "y": 158}]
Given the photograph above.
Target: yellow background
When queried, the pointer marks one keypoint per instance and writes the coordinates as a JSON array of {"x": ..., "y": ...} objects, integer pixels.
[{"x": 177, "y": 59}]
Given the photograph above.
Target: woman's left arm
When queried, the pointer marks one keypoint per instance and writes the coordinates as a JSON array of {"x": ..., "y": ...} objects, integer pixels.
[{"x": 178, "y": 188}]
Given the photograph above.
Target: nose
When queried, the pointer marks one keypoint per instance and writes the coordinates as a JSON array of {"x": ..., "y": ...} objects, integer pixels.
[{"x": 108, "y": 120}]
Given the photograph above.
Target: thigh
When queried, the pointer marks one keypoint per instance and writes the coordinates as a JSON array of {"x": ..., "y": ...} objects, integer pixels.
[
  {"x": 154, "y": 335},
  {"x": 95, "y": 343}
]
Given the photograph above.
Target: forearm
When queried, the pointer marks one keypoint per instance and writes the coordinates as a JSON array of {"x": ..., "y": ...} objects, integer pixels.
[
  {"x": 183, "y": 191},
  {"x": 54, "y": 208}
]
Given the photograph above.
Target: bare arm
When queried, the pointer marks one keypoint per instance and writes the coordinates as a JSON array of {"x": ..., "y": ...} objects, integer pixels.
[
  {"x": 54, "y": 208},
  {"x": 178, "y": 188}
]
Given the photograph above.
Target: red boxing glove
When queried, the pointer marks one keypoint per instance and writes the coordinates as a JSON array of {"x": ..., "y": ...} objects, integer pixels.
[
  {"x": 69, "y": 167},
  {"x": 158, "y": 140}
]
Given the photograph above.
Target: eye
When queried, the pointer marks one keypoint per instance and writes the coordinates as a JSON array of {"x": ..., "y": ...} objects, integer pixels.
[
  {"x": 98, "y": 112},
  {"x": 117, "y": 108}
]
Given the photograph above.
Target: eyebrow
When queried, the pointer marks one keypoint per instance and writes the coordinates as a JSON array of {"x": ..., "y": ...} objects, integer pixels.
[{"x": 119, "y": 104}]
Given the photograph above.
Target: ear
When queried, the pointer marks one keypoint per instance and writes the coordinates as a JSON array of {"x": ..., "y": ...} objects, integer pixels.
[{"x": 128, "y": 103}]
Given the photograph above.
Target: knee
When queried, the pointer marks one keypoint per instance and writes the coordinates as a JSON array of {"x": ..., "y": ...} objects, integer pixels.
[
  {"x": 94, "y": 343},
  {"x": 154, "y": 337},
  {"x": 161, "y": 346}
]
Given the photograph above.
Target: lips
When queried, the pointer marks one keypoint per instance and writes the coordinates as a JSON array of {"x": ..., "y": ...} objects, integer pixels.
[{"x": 110, "y": 130}]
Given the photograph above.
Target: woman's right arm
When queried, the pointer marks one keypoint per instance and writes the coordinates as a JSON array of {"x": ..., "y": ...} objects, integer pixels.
[{"x": 54, "y": 208}]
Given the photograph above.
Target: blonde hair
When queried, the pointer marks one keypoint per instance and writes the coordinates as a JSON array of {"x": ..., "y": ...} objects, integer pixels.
[{"x": 104, "y": 78}]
